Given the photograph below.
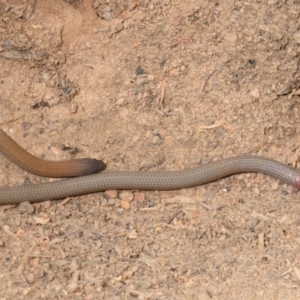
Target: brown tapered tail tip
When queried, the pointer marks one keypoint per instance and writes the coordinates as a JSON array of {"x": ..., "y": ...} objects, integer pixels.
[
  {"x": 90, "y": 166},
  {"x": 70, "y": 168}
]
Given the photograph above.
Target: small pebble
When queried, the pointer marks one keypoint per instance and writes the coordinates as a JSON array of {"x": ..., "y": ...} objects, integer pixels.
[
  {"x": 73, "y": 108},
  {"x": 111, "y": 194},
  {"x": 139, "y": 197},
  {"x": 126, "y": 196},
  {"x": 125, "y": 204},
  {"x": 25, "y": 208},
  {"x": 111, "y": 202},
  {"x": 120, "y": 101},
  {"x": 255, "y": 93},
  {"x": 30, "y": 278},
  {"x": 126, "y": 14}
]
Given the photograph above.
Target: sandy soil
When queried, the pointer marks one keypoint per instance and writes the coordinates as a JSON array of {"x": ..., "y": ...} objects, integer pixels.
[{"x": 152, "y": 85}]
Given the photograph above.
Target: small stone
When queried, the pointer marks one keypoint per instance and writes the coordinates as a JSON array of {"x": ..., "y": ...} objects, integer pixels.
[
  {"x": 111, "y": 202},
  {"x": 46, "y": 204},
  {"x": 132, "y": 234},
  {"x": 111, "y": 194},
  {"x": 125, "y": 204},
  {"x": 30, "y": 278},
  {"x": 73, "y": 108},
  {"x": 158, "y": 229},
  {"x": 160, "y": 132},
  {"x": 42, "y": 218},
  {"x": 20, "y": 233},
  {"x": 126, "y": 14},
  {"x": 139, "y": 197},
  {"x": 255, "y": 93},
  {"x": 120, "y": 101},
  {"x": 126, "y": 24},
  {"x": 26, "y": 291},
  {"x": 126, "y": 196},
  {"x": 25, "y": 208},
  {"x": 275, "y": 186}
]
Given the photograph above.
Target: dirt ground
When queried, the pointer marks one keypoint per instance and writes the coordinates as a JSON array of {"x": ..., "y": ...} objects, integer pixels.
[{"x": 152, "y": 85}]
